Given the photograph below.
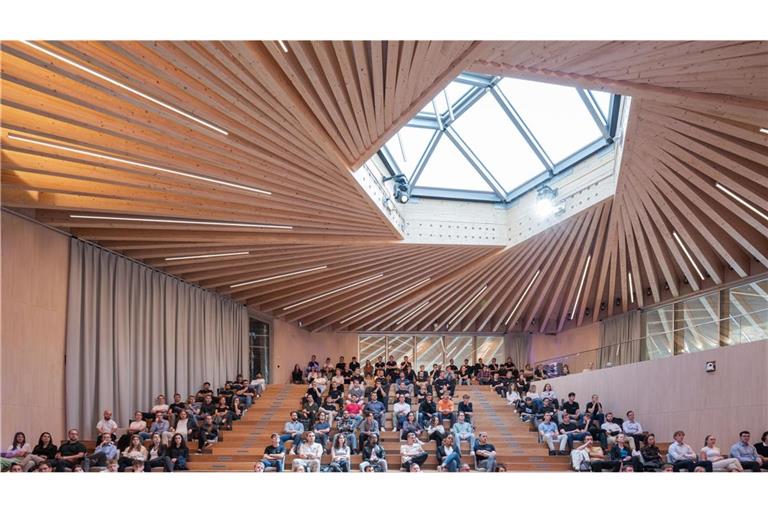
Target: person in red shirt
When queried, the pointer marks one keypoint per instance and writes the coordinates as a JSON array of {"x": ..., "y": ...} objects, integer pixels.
[{"x": 355, "y": 409}]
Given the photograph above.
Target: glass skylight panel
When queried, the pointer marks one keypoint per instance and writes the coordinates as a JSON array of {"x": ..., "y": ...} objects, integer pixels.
[
  {"x": 492, "y": 136},
  {"x": 414, "y": 141},
  {"x": 455, "y": 91},
  {"x": 447, "y": 168},
  {"x": 555, "y": 114},
  {"x": 603, "y": 100}
]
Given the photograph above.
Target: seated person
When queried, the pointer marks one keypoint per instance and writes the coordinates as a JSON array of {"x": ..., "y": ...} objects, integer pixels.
[
  {"x": 340, "y": 455},
  {"x": 258, "y": 385},
  {"x": 633, "y": 429},
  {"x": 223, "y": 414},
  {"x": 134, "y": 453},
  {"x": 571, "y": 406},
  {"x": 747, "y": 454},
  {"x": 160, "y": 406},
  {"x": 404, "y": 391},
  {"x": 436, "y": 431},
  {"x": 376, "y": 408},
  {"x": 527, "y": 410},
  {"x": 183, "y": 424},
  {"x": 178, "y": 452},
  {"x": 762, "y": 446},
  {"x": 207, "y": 433},
  {"x": 243, "y": 392},
  {"x": 137, "y": 426},
  {"x": 19, "y": 452},
  {"x": 422, "y": 376},
  {"x": 595, "y": 408},
  {"x": 427, "y": 410},
  {"x": 293, "y": 430},
  {"x": 322, "y": 429},
  {"x": 355, "y": 409},
  {"x": 309, "y": 454},
  {"x": 105, "y": 451},
  {"x": 485, "y": 453},
  {"x": 400, "y": 412},
  {"x": 308, "y": 411},
  {"x": 620, "y": 451},
  {"x": 160, "y": 426},
  {"x": 106, "y": 426},
  {"x": 410, "y": 425},
  {"x": 158, "y": 455},
  {"x": 44, "y": 451},
  {"x": 313, "y": 365},
  {"x": 330, "y": 408},
  {"x": 549, "y": 433},
  {"x": 368, "y": 427},
  {"x": 411, "y": 452},
  {"x": 346, "y": 427},
  {"x": 445, "y": 409},
  {"x": 193, "y": 408},
  {"x": 513, "y": 395},
  {"x": 374, "y": 455},
  {"x": 711, "y": 452},
  {"x": 463, "y": 430},
  {"x": 448, "y": 457},
  {"x": 465, "y": 406},
  {"x": 548, "y": 393},
  {"x": 574, "y": 431},
  {"x": 682, "y": 456},
  {"x": 592, "y": 452},
  {"x": 71, "y": 453},
  {"x": 356, "y": 390},
  {"x": 177, "y": 405},
  {"x": 650, "y": 454},
  {"x": 341, "y": 365},
  {"x": 441, "y": 385},
  {"x": 297, "y": 375},
  {"x": 613, "y": 429},
  {"x": 368, "y": 369},
  {"x": 208, "y": 408},
  {"x": 274, "y": 454},
  {"x": 205, "y": 390},
  {"x": 545, "y": 407}
]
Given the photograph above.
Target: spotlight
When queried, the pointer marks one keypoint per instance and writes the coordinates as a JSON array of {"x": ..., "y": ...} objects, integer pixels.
[
  {"x": 401, "y": 187},
  {"x": 587, "y": 312},
  {"x": 545, "y": 202},
  {"x": 648, "y": 292},
  {"x": 685, "y": 280},
  {"x": 666, "y": 285},
  {"x": 603, "y": 305},
  {"x": 618, "y": 301}
]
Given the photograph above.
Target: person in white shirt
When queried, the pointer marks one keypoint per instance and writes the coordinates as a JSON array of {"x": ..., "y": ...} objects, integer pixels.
[
  {"x": 400, "y": 413},
  {"x": 548, "y": 393},
  {"x": 309, "y": 455},
  {"x": 513, "y": 396},
  {"x": 411, "y": 453},
  {"x": 712, "y": 453},
  {"x": 613, "y": 429},
  {"x": 106, "y": 425},
  {"x": 633, "y": 430},
  {"x": 682, "y": 456}
]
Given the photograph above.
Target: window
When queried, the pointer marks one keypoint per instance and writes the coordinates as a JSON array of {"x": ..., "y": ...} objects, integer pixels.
[
  {"x": 429, "y": 351},
  {"x": 459, "y": 348},
  {"x": 371, "y": 347},
  {"x": 258, "y": 348},
  {"x": 399, "y": 347},
  {"x": 489, "y": 347},
  {"x": 660, "y": 331},
  {"x": 701, "y": 326},
  {"x": 748, "y": 319}
]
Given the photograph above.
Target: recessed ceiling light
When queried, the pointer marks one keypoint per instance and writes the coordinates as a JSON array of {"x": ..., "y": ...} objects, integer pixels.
[
  {"x": 176, "y": 221},
  {"x": 138, "y": 164},
  {"x": 741, "y": 200},
  {"x": 272, "y": 278},
  {"x": 202, "y": 256},
  {"x": 412, "y": 312},
  {"x": 581, "y": 286},
  {"x": 126, "y": 87},
  {"x": 352, "y": 285},
  {"x": 690, "y": 258},
  {"x": 523, "y": 296},
  {"x": 473, "y": 299},
  {"x": 283, "y": 46},
  {"x": 394, "y": 295}
]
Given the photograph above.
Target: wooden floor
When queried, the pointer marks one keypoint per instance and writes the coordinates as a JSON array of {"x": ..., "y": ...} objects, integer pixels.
[{"x": 516, "y": 446}]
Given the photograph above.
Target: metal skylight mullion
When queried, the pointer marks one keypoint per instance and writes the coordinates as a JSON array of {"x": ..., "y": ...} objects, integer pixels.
[
  {"x": 594, "y": 111},
  {"x": 424, "y": 121},
  {"x": 390, "y": 162},
  {"x": 431, "y": 145},
  {"x": 527, "y": 134},
  {"x": 475, "y": 79},
  {"x": 464, "y": 104},
  {"x": 476, "y": 163}
]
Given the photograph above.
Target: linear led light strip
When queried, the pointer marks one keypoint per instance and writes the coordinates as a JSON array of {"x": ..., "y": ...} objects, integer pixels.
[
  {"x": 412, "y": 312},
  {"x": 126, "y": 87},
  {"x": 764, "y": 130},
  {"x": 175, "y": 221},
  {"x": 283, "y": 46},
  {"x": 631, "y": 288},
  {"x": 138, "y": 164},
  {"x": 271, "y": 278},
  {"x": 690, "y": 258},
  {"x": 581, "y": 286},
  {"x": 356, "y": 283},
  {"x": 201, "y": 256},
  {"x": 406, "y": 290},
  {"x": 473, "y": 299},
  {"x": 742, "y": 201},
  {"x": 523, "y": 296}
]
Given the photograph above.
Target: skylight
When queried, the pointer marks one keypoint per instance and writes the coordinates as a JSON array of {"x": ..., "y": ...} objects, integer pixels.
[{"x": 496, "y": 138}]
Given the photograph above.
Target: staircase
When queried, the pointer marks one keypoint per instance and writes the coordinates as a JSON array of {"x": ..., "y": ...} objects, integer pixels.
[{"x": 516, "y": 446}]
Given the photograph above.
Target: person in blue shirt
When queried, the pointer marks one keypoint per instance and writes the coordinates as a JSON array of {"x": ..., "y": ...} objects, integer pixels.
[
  {"x": 747, "y": 454},
  {"x": 549, "y": 433},
  {"x": 105, "y": 451},
  {"x": 377, "y": 409},
  {"x": 294, "y": 429},
  {"x": 322, "y": 429}
]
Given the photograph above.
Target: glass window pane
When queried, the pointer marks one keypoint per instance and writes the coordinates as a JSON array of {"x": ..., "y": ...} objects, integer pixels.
[
  {"x": 489, "y": 347},
  {"x": 400, "y": 347},
  {"x": 454, "y": 92},
  {"x": 659, "y": 328},
  {"x": 603, "y": 100},
  {"x": 749, "y": 312},
  {"x": 447, "y": 168},
  {"x": 555, "y": 114},
  {"x": 429, "y": 351},
  {"x": 497, "y": 142},
  {"x": 459, "y": 348},
  {"x": 415, "y": 142},
  {"x": 701, "y": 330},
  {"x": 371, "y": 347}
]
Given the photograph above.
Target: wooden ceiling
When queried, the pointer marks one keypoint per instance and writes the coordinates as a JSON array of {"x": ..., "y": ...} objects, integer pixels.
[{"x": 192, "y": 131}]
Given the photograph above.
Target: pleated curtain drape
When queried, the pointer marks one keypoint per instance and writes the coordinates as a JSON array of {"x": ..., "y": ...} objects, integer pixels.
[
  {"x": 620, "y": 340},
  {"x": 134, "y": 333},
  {"x": 519, "y": 348}
]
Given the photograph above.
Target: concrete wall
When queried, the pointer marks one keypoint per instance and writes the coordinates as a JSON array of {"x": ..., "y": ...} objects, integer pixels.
[
  {"x": 35, "y": 268},
  {"x": 676, "y": 393},
  {"x": 573, "y": 341},
  {"x": 291, "y": 345}
]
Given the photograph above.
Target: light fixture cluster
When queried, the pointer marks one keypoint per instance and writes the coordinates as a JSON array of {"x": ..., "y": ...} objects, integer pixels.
[
  {"x": 545, "y": 202},
  {"x": 280, "y": 276},
  {"x": 401, "y": 187},
  {"x": 125, "y": 87}
]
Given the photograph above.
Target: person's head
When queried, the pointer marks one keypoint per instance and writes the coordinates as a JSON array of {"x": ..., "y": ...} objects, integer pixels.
[
  {"x": 106, "y": 437},
  {"x": 368, "y": 469},
  {"x": 208, "y": 399},
  {"x": 208, "y": 419},
  {"x": 156, "y": 439},
  {"x": 183, "y": 414},
  {"x": 135, "y": 441},
  {"x": 465, "y": 398},
  {"x": 435, "y": 421},
  {"x": 547, "y": 402},
  {"x": 548, "y": 417},
  {"x": 107, "y": 415},
  {"x": 628, "y": 469},
  {"x": 311, "y": 438},
  {"x": 448, "y": 441},
  {"x": 461, "y": 417},
  {"x": 620, "y": 439},
  {"x": 259, "y": 466},
  {"x": 566, "y": 417},
  {"x": 588, "y": 438},
  {"x": 401, "y": 398},
  {"x": 296, "y": 367},
  {"x": 338, "y": 372},
  {"x": 465, "y": 468},
  {"x": 650, "y": 440},
  {"x": 483, "y": 436},
  {"x": 532, "y": 388},
  {"x": 45, "y": 439},
  {"x": 339, "y": 442},
  {"x": 206, "y": 386},
  {"x": 764, "y": 437},
  {"x": 310, "y": 400},
  {"x": 411, "y": 438},
  {"x": 178, "y": 441},
  {"x": 547, "y": 387},
  {"x": 587, "y": 418},
  {"x": 77, "y": 469},
  {"x": 112, "y": 466},
  {"x": 609, "y": 417},
  {"x": 44, "y": 467},
  {"x": 595, "y": 398},
  {"x": 138, "y": 466},
  {"x": 414, "y": 468},
  {"x": 699, "y": 469},
  {"x": 16, "y": 468},
  {"x": 710, "y": 440},
  {"x": 158, "y": 416},
  {"x": 299, "y": 469},
  {"x": 501, "y": 468},
  {"x": 73, "y": 435},
  {"x": 177, "y": 397},
  {"x": 191, "y": 399},
  {"x": 679, "y": 436},
  {"x": 294, "y": 416},
  {"x": 429, "y": 397},
  {"x": 160, "y": 399},
  {"x": 373, "y": 439},
  {"x": 345, "y": 414},
  {"x": 137, "y": 416},
  {"x": 667, "y": 468},
  {"x": 744, "y": 436},
  {"x": 528, "y": 400},
  {"x": 19, "y": 438},
  {"x": 631, "y": 415}
]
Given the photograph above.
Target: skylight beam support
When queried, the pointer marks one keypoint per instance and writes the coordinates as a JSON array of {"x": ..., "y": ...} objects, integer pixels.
[
  {"x": 476, "y": 163},
  {"x": 464, "y": 104},
  {"x": 424, "y": 121},
  {"x": 390, "y": 161},
  {"x": 431, "y": 145},
  {"x": 594, "y": 111},
  {"x": 523, "y": 128}
]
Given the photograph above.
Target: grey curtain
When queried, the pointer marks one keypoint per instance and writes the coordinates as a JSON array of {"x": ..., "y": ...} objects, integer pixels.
[
  {"x": 133, "y": 333},
  {"x": 518, "y": 347},
  {"x": 620, "y": 340}
]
